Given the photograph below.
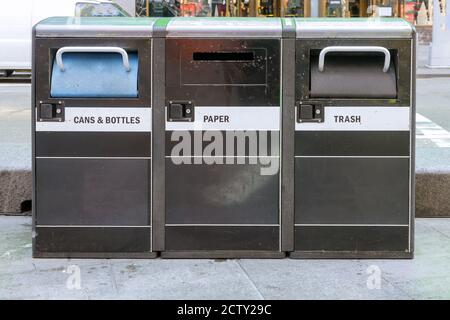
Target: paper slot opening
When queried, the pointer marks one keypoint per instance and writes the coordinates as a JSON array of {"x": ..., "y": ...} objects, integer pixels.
[{"x": 229, "y": 56}]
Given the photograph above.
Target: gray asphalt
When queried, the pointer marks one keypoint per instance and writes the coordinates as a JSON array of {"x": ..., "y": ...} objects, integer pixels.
[
  {"x": 15, "y": 126},
  {"x": 433, "y": 138},
  {"x": 433, "y": 100}
]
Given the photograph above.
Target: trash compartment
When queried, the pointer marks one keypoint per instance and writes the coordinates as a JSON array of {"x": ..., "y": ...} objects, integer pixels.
[
  {"x": 350, "y": 72},
  {"x": 354, "y": 139},
  {"x": 223, "y": 107},
  {"x": 92, "y": 138}
]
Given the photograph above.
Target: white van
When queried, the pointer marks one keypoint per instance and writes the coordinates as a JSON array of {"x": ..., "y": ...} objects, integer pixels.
[{"x": 18, "y": 17}]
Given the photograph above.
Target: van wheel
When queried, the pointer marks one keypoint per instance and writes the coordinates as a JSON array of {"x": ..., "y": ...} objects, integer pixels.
[{"x": 9, "y": 73}]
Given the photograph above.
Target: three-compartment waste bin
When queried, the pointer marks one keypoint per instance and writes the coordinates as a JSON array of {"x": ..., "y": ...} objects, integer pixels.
[
  {"x": 354, "y": 138},
  {"x": 223, "y": 137},
  {"x": 92, "y": 138}
]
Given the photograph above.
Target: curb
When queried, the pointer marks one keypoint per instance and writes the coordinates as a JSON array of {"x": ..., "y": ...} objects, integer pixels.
[
  {"x": 432, "y": 193},
  {"x": 432, "y": 75},
  {"x": 15, "y": 191}
]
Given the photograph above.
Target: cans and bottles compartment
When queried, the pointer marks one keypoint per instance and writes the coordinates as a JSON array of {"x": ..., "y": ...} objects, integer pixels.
[{"x": 94, "y": 72}]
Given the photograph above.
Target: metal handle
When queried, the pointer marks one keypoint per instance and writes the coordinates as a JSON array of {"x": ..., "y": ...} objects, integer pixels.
[
  {"x": 121, "y": 51},
  {"x": 387, "y": 54}
]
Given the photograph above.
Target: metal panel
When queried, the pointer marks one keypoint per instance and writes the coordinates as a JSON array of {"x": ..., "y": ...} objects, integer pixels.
[
  {"x": 230, "y": 82},
  {"x": 93, "y": 192},
  {"x": 223, "y": 254},
  {"x": 229, "y": 27},
  {"x": 412, "y": 166},
  {"x": 352, "y": 143},
  {"x": 351, "y": 240},
  {"x": 122, "y": 27},
  {"x": 220, "y": 194},
  {"x": 352, "y": 191},
  {"x": 93, "y": 144},
  {"x": 102, "y": 240},
  {"x": 159, "y": 142},
  {"x": 353, "y": 29},
  {"x": 287, "y": 135},
  {"x": 210, "y": 238}
]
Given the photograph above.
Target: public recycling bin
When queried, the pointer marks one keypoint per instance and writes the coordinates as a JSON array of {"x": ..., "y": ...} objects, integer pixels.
[
  {"x": 222, "y": 131},
  {"x": 92, "y": 137},
  {"x": 354, "y": 138}
]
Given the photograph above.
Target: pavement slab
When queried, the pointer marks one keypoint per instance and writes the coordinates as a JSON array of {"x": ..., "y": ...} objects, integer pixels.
[{"x": 424, "y": 277}]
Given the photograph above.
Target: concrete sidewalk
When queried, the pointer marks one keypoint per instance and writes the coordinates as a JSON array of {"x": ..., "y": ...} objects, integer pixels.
[{"x": 424, "y": 277}]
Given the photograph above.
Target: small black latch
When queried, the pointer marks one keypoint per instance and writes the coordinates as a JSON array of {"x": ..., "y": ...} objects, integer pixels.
[
  {"x": 47, "y": 111},
  {"x": 176, "y": 111},
  {"x": 50, "y": 111},
  {"x": 310, "y": 113},
  {"x": 180, "y": 111}
]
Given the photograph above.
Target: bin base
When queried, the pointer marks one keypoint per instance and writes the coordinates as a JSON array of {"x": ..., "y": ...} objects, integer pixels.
[
  {"x": 350, "y": 255},
  {"x": 96, "y": 255},
  {"x": 222, "y": 254}
]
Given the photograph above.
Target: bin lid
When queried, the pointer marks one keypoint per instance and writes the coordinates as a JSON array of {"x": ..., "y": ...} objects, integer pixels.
[
  {"x": 223, "y": 27},
  {"x": 353, "y": 28},
  {"x": 95, "y": 27}
]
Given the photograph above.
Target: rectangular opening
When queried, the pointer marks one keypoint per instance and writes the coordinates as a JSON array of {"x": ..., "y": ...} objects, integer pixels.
[
  {"x": 353, "y": 75},
  {"x": 223, "y": 67},
  {"x": 254, "y": 82},
  {"x": 94, "y": 75},
  {"x": 224, "y": 56}
]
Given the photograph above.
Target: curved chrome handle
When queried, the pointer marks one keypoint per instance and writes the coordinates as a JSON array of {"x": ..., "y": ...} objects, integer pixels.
[
  {"x": 121, "y": 51},
  {"x": 387, "y": 54}
]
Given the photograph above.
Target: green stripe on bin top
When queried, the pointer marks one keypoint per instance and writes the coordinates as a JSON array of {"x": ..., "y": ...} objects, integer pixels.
[
  {"x": 162, "y": 22},
  {"x": 288, "y": 22},
  {"x": 106, "y": 21}
]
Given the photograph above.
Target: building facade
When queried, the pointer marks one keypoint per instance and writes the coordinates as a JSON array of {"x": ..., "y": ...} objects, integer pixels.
[{"x": 417, "y": 12}]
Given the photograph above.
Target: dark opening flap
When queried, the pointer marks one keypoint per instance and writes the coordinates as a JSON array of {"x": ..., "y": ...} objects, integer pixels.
[{"x": 353, "y": 75}]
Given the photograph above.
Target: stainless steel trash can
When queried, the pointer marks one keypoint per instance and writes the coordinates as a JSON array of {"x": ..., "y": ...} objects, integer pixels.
[
  {"x": 222, "y": 138},
  {"x": 354, "y": 138},
  {"x": 92, "y": 137}
]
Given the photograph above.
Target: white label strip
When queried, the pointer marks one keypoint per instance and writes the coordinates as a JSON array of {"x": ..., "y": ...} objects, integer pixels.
[
  {"x": 360, "y": 119},
  {"x": 230, "y": 118},
  {"x": 101, "y": 119}
]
